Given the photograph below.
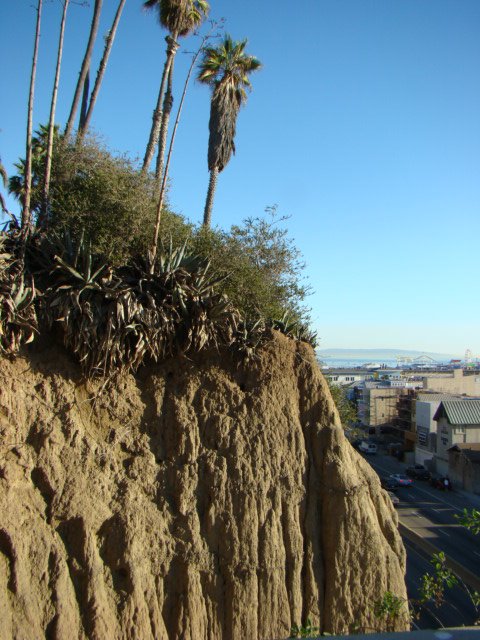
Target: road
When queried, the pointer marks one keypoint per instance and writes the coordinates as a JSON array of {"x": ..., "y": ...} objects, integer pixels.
[
  {"x": 431, "y": 514},
  {"x": 457, "y": 609}
]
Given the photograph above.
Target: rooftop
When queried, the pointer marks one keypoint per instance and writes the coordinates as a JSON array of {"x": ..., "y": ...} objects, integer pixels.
[{"x": 465, "y": 411}]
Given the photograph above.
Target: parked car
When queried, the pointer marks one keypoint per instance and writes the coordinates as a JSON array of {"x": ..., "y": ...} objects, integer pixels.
[
  {"x": 395, "y": 500},
  {"x": 367, "y": 447},
  {"x": 419, "y": 472},
  {"x": 388, "y": 484},
  {"x": 401, "y": 479}
]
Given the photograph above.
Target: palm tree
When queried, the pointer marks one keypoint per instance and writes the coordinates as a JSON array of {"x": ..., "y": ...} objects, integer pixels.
[
  {"x": 17, "y": 184},
  {"x": 162, "y": 178},
  {"x": 53, "y": 106},
  {"x": 180, "y": 18},
  {"x": 4, "y": 177},
  {"x": 167, "y": 109},
  {"x": 101, "y": 68},
  {"x": 226, "y": 69},
  {"x": 84, "y": 68},
  {"x": 26, "y": 215}
]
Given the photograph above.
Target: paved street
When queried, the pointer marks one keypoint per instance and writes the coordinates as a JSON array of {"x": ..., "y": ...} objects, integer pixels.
[
  {"x": 456, "y": 611},
  {"x": 431, "y": 514}
]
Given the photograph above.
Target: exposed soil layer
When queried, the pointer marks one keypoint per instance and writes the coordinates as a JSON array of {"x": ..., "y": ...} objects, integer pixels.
[{"x": 199, "y": 499}]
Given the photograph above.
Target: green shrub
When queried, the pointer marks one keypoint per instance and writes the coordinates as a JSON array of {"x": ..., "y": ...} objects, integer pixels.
[{"x": 98, "y": 195}]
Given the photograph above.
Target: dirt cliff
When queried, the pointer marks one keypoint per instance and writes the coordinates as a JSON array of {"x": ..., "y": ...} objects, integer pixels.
[{"x": 199, "y": 499}]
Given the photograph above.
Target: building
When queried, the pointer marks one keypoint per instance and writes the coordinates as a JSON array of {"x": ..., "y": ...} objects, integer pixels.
[
  {"x": 345, "y": 377},
  {"x": 458, "y": 422},
  {"x": 426, "y": 405},
  {"x": 404, "y": 421},
  {"x": 386, "y": 403},
  {"x": 455, "y": 382},
  {"x": 376, "y": 402},
  {"x": 464, "y": 466},
  {"x": 389, "y": 374}
]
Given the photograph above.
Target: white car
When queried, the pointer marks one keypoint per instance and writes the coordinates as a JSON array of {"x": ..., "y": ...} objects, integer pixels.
[{"x": 367, "y": 447}]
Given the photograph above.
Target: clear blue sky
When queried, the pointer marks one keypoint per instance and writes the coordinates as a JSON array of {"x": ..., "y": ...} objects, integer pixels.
[{"x": 363, "y": 126}]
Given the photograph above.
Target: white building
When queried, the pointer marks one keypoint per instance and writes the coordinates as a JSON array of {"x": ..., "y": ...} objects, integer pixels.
[{"x": 345, "y": 377}]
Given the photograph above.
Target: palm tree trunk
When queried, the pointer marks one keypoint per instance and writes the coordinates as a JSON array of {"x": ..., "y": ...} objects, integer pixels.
[
  {"x": 53, "y": 107},
  {"x": 172, "y": 47},
  {"x": 161, "y": 197},
  {"x": 84, "y": 68},
  {"x": 207, "y": 214},
  {"x": 102, "y": 66},
  {"x": 4, "y": 177},
  {"x": 167, "y": 108},
  {"x": 83, "y": 108},
  {"x": 26, "y": 215}
]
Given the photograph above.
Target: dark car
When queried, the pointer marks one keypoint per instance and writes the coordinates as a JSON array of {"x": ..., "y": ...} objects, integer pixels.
[
  {"x": 419, "y": 472},
  {"x": 388, "y": 484}
]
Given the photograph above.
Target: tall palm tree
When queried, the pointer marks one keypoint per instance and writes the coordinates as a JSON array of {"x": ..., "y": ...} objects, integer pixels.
[
  {"x": 101, "y": 68},
  {"x": 162, "y": 141},
  {"x": 84, "y": 68},
  {"x": 51, "y": 121},
  {"x": 226, "y": 69},
  {"x": 162, "y": 181},
  {"x": 180, "y": 18},
  {"x": 26, "y": 215}
]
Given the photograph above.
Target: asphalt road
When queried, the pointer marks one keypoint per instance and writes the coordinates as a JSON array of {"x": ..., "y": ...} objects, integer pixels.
[
  {"x": 431, "y": 514},
  {"x": 456, "y": 610}
]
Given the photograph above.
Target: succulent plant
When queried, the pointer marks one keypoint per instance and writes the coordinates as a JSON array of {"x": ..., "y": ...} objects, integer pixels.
[{"x": 18, "y": 318}]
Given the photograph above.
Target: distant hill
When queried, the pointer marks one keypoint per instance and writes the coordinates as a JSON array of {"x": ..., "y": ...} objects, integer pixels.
[{"x": 381, "y": 354}]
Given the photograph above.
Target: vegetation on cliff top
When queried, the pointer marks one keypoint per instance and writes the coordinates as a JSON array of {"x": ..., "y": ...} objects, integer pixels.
[{"x": 83, "y": 257}]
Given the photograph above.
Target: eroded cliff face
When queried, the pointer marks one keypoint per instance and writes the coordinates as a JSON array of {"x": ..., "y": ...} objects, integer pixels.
[{"x": 197, "y": 500}]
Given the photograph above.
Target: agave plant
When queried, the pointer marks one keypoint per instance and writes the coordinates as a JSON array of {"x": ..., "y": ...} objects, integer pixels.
[
  {"x": 294, "y": 329},
  {"x": 305, "y": 334},
  {"x": 18, "y": 317},
  {"x": 285, "y": 325},
  {"x": 113, "y": 319},
  {"x": 249, "y": 337},
  {"x": 92, "y": 308},
  {"x": 182, "y": 285}
]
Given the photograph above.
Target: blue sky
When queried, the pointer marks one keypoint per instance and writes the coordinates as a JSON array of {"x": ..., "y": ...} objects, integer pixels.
[{"x": 363, "y": 126}]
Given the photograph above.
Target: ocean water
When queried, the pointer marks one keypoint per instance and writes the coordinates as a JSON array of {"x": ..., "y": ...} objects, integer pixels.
[
  {"x": 388, "y": 363},
  {"x": 352, "y": 363}
]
